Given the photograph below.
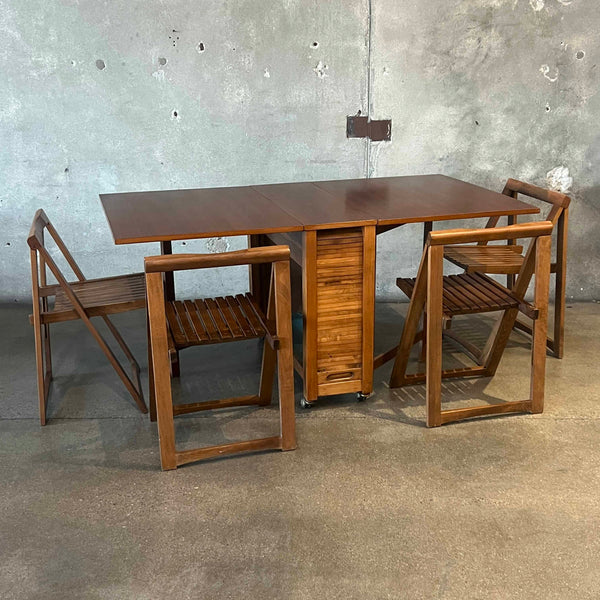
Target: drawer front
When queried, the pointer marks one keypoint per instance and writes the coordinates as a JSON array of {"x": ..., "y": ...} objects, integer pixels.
[{"x": 339, "y": 266}]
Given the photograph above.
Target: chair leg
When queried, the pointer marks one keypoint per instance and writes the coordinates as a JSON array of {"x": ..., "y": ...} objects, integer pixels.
[
  {"x": 269, "y": 358},
  {"x": 285, "y": 359},
  {"x": 152, "y": 391},
  {"x": 160, "y": 370},
  {"x": 561, "y": 280},
  {"x": 434, "y": 336},
  {"x": 423, "y": 353},
  {"x": 540, "y": 325},
  {"x": 41, "y": 369},
  {"x": 129, "y": 384},
  {"x": 415, "y": 309},
  {"x": 174, "y": 363},
  {"x": 267, "y": 373}
]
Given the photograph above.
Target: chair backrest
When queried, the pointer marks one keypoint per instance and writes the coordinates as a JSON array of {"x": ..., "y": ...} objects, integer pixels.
[
  {"x": 36, "y": 243},
  {"x": 559, "y": 202}
]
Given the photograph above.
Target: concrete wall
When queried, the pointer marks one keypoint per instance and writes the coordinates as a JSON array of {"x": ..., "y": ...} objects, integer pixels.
[{"x": 119, "y": 96}]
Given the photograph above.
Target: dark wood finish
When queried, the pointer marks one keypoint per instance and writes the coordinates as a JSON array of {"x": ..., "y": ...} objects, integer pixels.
[
  {"x": 310, "y": 316},
  {"x": 186, "y": 214},
  {"x": 213, "y": 320},
  {"x": 419, "y": 198},
  {"x": 317, "y": 208},
  {"x": 302, "y": 216},
  {"x": 484, "y": 258},
  {"x": 82, "y": 299},
  {"x": 388, "y": 201},
  {"x": 445, "y": 296}
]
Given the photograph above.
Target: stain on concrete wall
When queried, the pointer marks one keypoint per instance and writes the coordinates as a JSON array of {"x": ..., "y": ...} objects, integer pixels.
[
  {"x": 159, "y": 95},
  {"x": 168, "y": 97},
  {"x": 485, "y": 90}
]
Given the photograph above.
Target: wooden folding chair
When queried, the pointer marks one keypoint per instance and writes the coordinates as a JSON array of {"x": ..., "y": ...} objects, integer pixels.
[
  {"x": 508, "y": 259},
  {"x": 83, "y": 299},
  {"x": 443, "y": 297},
  {"x": 175, "y": 325}
]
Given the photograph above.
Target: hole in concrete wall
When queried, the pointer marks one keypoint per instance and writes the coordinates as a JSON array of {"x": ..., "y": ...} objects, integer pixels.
[
  {"x": 580, "y": 54},
  {"x": 174, "y": 38},
  {"x": 476, "y": 122},
  {"x": 162, "y": 61},
  {"x": 175, "y": 113},
  {"x": 200, "y": 47},
  {"x": 547, "y": 108},
  {"x": 100, "y": 64},
  {"x": 8, "y": 243},
  {"x": 315, "y": 44}
]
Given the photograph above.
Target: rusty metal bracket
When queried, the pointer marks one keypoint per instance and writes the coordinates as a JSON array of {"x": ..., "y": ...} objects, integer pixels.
[{"x": 362, "y": 127}]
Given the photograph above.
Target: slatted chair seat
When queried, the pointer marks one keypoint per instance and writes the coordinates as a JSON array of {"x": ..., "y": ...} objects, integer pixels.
[
  {"x": 109, "y": 295},
  {"x": 468, "y": 294},
  {"x": 216, "y": 320},
  {"x": 497, "y": 260}
]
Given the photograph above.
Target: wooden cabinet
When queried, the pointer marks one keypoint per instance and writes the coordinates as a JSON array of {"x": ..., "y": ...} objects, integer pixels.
[{"x": 335, "y": 290}]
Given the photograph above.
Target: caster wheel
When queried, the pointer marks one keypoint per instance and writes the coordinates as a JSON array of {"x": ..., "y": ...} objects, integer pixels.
[
  {"x": 304, "y": 403},
  {"x": 360, "y": 397}
]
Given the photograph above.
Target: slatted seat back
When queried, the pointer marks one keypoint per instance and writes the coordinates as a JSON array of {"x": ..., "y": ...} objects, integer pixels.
[
  {"x": 484, "y": 258},
  {"x": 558, "y": 201},
  {"x": 42, "y": 261}
]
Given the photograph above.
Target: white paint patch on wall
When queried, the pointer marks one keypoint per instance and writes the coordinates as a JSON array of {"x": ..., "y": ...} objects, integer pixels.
[
  {"x": 320, "y": 70},
  {"x": 266, "y": 73},
  {"x": 565, "y": 2},
  {"x": 537, "y": 5},
  {"x": 216, "y": 245},
  {"x": 159, "y": 75},
  {"x": 545, "y": 70},
  {"x": 559, "y": 179}
]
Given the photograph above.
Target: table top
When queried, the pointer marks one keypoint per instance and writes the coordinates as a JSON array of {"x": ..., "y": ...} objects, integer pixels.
[{"x": 196, "y": 213}]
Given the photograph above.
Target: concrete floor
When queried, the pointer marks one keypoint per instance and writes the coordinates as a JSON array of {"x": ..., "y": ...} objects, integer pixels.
[{"x": 371, "y": 504}]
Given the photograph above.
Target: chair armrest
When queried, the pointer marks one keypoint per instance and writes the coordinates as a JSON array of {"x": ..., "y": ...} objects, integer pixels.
[
  {"x": 510, "y": 232},
  {"x": 184, "y": 262}
]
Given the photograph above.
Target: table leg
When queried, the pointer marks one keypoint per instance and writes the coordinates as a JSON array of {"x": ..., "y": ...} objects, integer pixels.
[
  {"x": 427, "y": 229},
  {"x": 260, "y": 275},
  {"x": 167, "y": 248},
  {"x": 169, "y": 283}
]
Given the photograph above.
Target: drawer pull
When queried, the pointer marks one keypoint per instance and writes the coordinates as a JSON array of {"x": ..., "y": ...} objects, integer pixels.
[{"x": 340, "y": 376}]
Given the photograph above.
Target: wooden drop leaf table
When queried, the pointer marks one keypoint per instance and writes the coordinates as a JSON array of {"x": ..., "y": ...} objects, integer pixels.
[{"x": 331, "y": 229}]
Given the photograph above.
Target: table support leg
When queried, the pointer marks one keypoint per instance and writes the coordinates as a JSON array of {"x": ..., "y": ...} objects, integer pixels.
[
  {"x": 169, "y": 283},
  {"x": 260, "y": 275},
  {"x": 427, "y": 229}
]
